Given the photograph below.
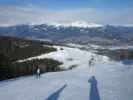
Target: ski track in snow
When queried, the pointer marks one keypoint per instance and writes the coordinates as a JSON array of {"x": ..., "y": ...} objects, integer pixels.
[{"x": 106, "y": 80}]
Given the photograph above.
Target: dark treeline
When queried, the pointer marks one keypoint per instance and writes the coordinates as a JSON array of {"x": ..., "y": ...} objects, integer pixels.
[
  {"x": 119, "y": 54},
  {"x": 13, "y": 49},
  {"x": 124, "y": 54},
  {"x": 16, "y": 48},
  {"x": 11, "y": 70}
]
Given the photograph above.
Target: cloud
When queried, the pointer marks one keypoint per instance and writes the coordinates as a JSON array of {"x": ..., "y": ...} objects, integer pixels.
[{"x": 10, "y": 15}]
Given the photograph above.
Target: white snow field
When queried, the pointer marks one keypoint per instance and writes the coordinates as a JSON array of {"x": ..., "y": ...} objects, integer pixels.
[{"x": 106, "y": 80}]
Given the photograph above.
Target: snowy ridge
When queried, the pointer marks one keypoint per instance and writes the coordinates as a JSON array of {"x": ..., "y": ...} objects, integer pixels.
[
  {"x": 77, "y": 24},
  {"x": 70, "y": 56}
]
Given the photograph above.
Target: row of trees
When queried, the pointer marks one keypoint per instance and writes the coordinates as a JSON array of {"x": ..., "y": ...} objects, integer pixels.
[
  {"x": 9, "y": 69},
  {"x": 13, "y": 49}
]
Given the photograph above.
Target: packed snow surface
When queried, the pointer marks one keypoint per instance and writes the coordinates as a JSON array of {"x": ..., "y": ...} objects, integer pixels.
[
  {"x": 106, "y": 80},
  {"x": 70, "y": 57}
]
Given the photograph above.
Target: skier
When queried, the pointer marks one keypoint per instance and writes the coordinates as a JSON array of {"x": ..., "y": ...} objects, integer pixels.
[
  {"x": 91, "y": 62},
  {"x": 38, "y": 73}
]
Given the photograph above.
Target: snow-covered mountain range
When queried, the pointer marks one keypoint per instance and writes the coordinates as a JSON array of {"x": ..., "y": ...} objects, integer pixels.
[
  {"x": 77, "y": 32},
  {"x": 82, "y": 24}
]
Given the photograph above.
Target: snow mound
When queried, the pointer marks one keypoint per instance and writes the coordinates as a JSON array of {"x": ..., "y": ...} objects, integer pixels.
[{"x": 70, "y": 57}]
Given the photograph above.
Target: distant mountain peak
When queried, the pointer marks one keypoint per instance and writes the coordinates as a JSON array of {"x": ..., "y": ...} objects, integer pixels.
[{"x": 77, "y": 24}]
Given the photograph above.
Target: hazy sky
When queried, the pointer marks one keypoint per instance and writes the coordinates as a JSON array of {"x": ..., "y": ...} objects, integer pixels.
[{"x": 118, "y": 12}]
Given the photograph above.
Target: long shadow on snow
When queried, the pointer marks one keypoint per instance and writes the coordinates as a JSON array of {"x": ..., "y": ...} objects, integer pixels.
[
  {"x": 56, "y": 94},
  {"x": 94, "y": 93}
]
